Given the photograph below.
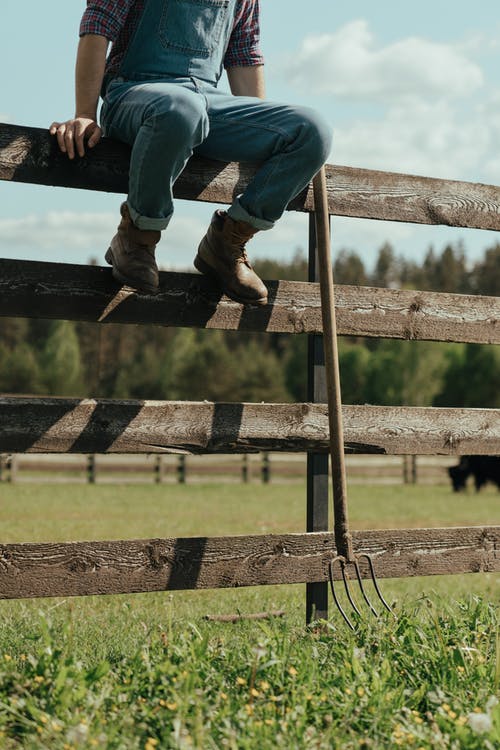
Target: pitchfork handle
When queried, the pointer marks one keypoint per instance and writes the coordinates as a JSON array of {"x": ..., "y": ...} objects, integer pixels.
[{"x": 343, "y": 538}]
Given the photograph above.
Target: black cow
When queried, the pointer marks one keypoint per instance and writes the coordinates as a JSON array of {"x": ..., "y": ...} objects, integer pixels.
[{"x": 482, "y": 468}]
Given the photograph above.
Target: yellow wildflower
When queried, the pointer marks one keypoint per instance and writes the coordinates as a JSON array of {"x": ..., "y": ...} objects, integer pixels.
[
  {"x": 7, "y": 657},
  {"x": 360, "y": 691},
  {"x": 171, "y": 706},
  {"x": 255, "y": 693},
  {"x": 38, "y": 678},
  {"x": 43, "y": 719},
  {"x": 292, "y": 671},
  {"x": 264, "y": 685},
  {"x": 240, "y": 681}
]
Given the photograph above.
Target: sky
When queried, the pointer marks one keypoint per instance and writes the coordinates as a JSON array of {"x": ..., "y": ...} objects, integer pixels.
[{"x": 407, "y": 87}]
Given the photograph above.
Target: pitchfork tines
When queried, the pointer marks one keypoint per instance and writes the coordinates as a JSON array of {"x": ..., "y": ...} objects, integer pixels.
[
  {"x": 343, "y": 563},
  {"x": 345, "y": 555}
]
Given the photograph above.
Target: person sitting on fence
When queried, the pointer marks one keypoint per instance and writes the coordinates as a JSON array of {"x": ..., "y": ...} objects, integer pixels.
[{"x": 160, "y": 95}]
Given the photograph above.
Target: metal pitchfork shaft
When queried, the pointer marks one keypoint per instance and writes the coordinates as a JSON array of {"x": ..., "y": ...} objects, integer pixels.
[{"x": 343, "y": 538}]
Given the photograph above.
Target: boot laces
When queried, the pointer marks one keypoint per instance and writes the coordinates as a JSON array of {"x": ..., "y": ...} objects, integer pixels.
[{"x": 239, "y": 240}]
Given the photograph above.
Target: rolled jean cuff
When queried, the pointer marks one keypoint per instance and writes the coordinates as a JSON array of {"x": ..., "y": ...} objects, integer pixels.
[
  {"x": 238, "y": 213},
  {"x": 145, "y": 222}
]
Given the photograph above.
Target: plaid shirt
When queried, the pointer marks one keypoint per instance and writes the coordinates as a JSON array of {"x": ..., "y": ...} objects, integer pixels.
[{"x": 117, "y": 20}]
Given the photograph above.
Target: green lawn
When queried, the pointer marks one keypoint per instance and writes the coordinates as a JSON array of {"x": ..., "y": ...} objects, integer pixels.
[
  {"x": 62, "y": 512},
  {"x": 148, "y": 671}
]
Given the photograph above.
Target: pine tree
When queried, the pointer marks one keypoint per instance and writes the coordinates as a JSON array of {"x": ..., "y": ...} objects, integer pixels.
[
  {"x": 386, "y": 272},
  {"x": 349, "y": 269},
  {"x": 19, "y": 370},
  {"x": 485, "y": 276},
  {"x": 203, "y": 368},
  {"x": 61, "y": 363},
  {"x": 472, "y": 377}
]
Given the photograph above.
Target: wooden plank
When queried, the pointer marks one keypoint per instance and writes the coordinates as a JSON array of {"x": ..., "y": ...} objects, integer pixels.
[
  {"x": 74, "y": 292},
  {"x": 31, "y": 155},
  {"x": 58, "y": 425},
  {"x": 116, "y": 567}
]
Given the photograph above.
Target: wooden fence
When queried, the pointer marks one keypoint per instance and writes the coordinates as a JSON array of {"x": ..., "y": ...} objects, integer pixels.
[
  {"x": 44, "y": 425},
  {"x": 278, "y": 468}
]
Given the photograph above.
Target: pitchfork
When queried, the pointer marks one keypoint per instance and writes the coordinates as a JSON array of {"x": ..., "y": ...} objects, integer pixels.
[{"x": 345, "y": 555}]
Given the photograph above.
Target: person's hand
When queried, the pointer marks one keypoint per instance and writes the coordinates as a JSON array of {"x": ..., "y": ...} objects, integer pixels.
[{"x": 72, "y": 135}]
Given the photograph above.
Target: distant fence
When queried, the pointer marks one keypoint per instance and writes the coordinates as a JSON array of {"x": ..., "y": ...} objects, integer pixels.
[{"x": 278, "y": 468}]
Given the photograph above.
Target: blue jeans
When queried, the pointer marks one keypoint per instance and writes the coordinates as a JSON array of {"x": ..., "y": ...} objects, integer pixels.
[{"x": 167, "y": 121}]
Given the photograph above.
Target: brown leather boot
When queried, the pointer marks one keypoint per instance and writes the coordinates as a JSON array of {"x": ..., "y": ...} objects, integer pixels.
[
  {"x": 132, "y": 255},
  {"x": 222, "y": 254}
]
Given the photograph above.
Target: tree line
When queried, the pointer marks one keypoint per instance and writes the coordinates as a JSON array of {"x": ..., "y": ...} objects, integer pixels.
[{"x": 64, "y": 358}]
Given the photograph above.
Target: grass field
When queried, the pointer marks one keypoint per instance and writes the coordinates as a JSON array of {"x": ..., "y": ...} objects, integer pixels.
[{"x": 147, "y": 671}]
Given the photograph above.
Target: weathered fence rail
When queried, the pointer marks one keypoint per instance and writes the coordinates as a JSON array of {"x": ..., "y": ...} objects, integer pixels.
[
  {"x": 31, "y": 155},
  {"x": 117, "y": 567},
  {"x": 90, "y": 426},
  {"x": 74, "y": 292},
  {"x": 57, "y": 425}
]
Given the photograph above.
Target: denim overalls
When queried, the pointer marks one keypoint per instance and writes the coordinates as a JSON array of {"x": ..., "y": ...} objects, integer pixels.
[{"x": 165, "y": 104}]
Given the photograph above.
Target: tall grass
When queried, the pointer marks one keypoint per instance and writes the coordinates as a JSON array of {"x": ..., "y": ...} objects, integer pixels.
[{"x": 148, "y": 671}]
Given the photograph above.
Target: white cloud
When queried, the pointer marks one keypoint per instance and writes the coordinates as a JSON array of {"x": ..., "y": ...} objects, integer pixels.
[
  {"x": 56, "y": 229},
  {"x": 419, "y": 138},
  {"x": 71, "y": 236},
  {"x": 347, "y": 63},
  {"x": 427, "y": 107}
]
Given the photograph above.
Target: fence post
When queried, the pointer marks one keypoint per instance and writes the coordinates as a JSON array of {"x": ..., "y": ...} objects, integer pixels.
[
  {"x": 406, "y": 474},
  {"x": 266, "y": 469},
  {"x": 12, "y": 468},
  {"x": 5, "y": 467},
  {"x": 414, "y": 470},
  {"x": 410, "y": 469},
  {"x": 244, "y": 468},
  {"x": 181, "y": 470},
  {"x": 317, "y": 463},
  {"x": 158, "y": 469},
  {"x": 91, "y": 468}
]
